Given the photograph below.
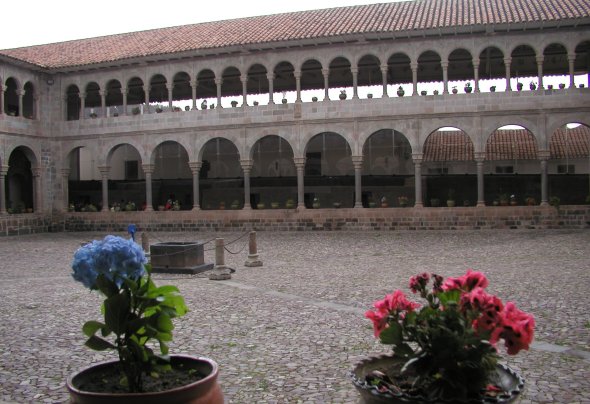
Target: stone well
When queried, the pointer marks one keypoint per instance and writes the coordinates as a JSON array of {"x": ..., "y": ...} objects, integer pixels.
[{"x": 178, "y": 257}]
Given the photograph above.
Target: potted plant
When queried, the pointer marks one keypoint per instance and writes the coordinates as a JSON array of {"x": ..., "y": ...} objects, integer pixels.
[
  {"x": 435, "y": 92},
  {"x": 222, "y": 205},
  {"x": 234, "y": 104},
  {"x": 402, "y": 201},
  {"x": 370, "y": 95},
  {"x": 176, "y": 205},
  {"x": 255, "y": 103},
  {"x": 136, "y": 312},
  {"x": 519, "y": 86},
  {"x": 342, "y": 95},
  {"x": 284, "y": 99},
  {"x": 451, "y": 198},
  {"x": 316, "y": 203},
  {"x": 204, "y": 104},
  {"x": 290, "y": 203},
  {"x": 384, "y": 203},
  {"x": 93, "y": 114},
  {"x": 400, "y": 91},
  {"x": 561, "y": 86},
  {"x": 336, "y": 205},
  {"x": 530, "y": 201},
  {"x": 159, "y": 109},
  {"x": 504, "y": 200},
  {"x": 493, "y": 89},
  {"x": 549, "y": 86},
  {"x": 445, "y": 350},
  {"x": 135, "y": 110},
  {"x": 434, "y": 202},
  {"x": 532, "y": 86},
  {"x": 468, "y": 87},
  {"x": 454, "y": 90},
  {"x": 314, "y": 99},
  {"x": 513, "y": 200},
  {"x": 274, "y": 205},
  {"x": 260, "y": 205},
  {"x": 423, "y": 92},
  {"x": 554, "y": 201},
  {"x": 130, "y": 206},
  {"x": 235, "y": 204}
]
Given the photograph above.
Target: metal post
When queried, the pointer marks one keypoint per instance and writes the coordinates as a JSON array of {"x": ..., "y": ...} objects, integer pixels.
[{"x": 253, "y": 260}]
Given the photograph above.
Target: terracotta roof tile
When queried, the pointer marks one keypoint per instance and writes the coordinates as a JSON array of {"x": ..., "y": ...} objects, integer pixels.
[
  {"x": 571, "y": 143},
  {"x": 374, "y": 18}
]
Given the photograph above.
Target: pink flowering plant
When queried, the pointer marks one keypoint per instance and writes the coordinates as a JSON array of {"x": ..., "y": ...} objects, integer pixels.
[
  {"x": 136, "y": 312},
  {"x": 449, "y": 344}
]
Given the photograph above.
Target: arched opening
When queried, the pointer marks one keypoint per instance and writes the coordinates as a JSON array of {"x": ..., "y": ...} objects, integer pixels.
[
  {"x": 511, "y": 169},
  {"x": 221, "y": 177},
  {"x": 284, "y": 82},
  {"x": 340, "y": 78},
  {"x": 257, "y": 85},
  {"x": 399, "y": 74},
  {"x": 429, "y": 71},
  {"x": 29, "y": 101},
  {"x": 73, "y": 103},
  {"x": 84, "y": 180},
  {"x": 206, "y": 89},
  {"x": 114, "y": 98},
  {"x": 273, "y": 175},
  {"x": 126, "y": 179},
  {"x": 388, "y": 171},
  {"x": 460, "y": 71},
  {"x": 370, "y": 81},
  {"x": 11, "y": 105},
  {"x": 182, "y": 93},
  {"x": 312, "y": 81},
  {"x": 92, "y": 103},
  {"x": 451, "y": 175},
  {"x": 523, "y": 68},
  {"x": 172, "y": 177},
  {"x": 492, "y": 70},
  {"x": 158, "y": 93},
  {"x": 569, "y": 164},
  {"x": 19, "y": 182},
  {"x": 231, "y": 88},
  {"x": 329, "y": 173},
  {"x": 135, "y": 96},
  {"x": 582, "y": 64}
]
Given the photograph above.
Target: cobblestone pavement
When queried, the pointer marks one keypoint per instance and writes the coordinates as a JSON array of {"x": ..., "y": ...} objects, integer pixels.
[{"x": 289, "y": 331}]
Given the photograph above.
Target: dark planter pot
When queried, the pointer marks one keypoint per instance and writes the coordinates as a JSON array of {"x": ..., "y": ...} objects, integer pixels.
[
  {"x": 506, "y": 378},
  {"x": 204, "y": 391}
]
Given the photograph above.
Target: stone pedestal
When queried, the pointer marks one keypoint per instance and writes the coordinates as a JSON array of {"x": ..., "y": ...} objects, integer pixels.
[
  {"x": 178, "y": 258},
  {"x": 253, "y": 260},
  {"x": 220, "y": 272}
]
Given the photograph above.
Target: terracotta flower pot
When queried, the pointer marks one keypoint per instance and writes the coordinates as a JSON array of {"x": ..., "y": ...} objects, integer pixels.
[{"x": 204, "y": 391}]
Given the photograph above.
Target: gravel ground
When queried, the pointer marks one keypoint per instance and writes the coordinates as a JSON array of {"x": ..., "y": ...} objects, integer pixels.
[{"x": 289, "y": 331}]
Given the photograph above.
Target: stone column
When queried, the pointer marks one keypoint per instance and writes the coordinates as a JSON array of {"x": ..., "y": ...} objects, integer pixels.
[
  {"x": 64, "y": 107},
  {"x": 543, "y": 157},
  {"x": 82, "y": 105},
  {"x": 297, "y": 74},
  {"x": 125, "y": 94},
  {"x": 37, "y": 191},
  {"x": 218, "y": 82},
  {"x": 479, "y": 160},
  {"x": 326, "y": 74},
  {"x": 247, "y": 167},
  {"x": 65, "y": 175},
  {"x": 417, "y": 158},
  {"x": 170, "y": 90},
  {"x": 571, "y": 58},
  {"x": 2, "y": 89},
  {"x": 300, "y": 166},
  {"x": 271, "y": 88},
  {"x": 3, "y": 172},
  {"x": 20, "y": 93},
  {"x": 103, "y": 95},
  {"x": 384, "y": 71},
  {"x": 414, "y": 67},
  {"x": 244, "y": 80},
  {"x": 476, "y": 75},
  {"x": 445, "y": 69},
  {"x": 507, "y": 62},
  {"x": 148, "y": 169},
  {"x": 540, "y": 59},
  {"x": 194, "y": 92},
  {"x": 104, "y": 174},
  {"x": 355, "y": 79},
  {"x": 146, "y": 91},
  {"x": 357, "y": 161},
  {"x": 195, "y": 169}
]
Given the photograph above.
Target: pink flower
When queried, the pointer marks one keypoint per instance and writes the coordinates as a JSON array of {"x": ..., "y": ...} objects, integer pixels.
[
  {"x": 395, "y": 303},
  {"x": 517, "y": 329},
  {"x": 418, "y": 282},
  {"x": 489, "y": 306},
  {"x": 469, "y": 281},
  {"x": 379, "y": 320}
]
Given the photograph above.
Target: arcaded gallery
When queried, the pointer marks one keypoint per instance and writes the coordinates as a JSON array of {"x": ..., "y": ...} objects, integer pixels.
[{"x": 423, "y": 109}]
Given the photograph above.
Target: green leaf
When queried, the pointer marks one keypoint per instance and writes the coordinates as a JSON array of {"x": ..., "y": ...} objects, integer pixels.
[
  {"x": 163, "y": 290},
  {"x": 106, "y": 286},
  {"x": 117, "y": 309},
  {"x": 91, "y": 327},
  {"x": 403, "y": 350},
  {"x": 165, "y": 323},
  {"x": 99, "y": 344},
  {"x": 392, "y": 334},
  {"x": 164, "y": 348}
]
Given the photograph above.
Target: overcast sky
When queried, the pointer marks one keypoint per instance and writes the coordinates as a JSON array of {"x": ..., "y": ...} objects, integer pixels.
[{"x": 34, "y": 22}]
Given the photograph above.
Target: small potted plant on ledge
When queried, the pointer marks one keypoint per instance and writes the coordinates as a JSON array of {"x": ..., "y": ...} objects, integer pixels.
[
  {"x": 136, "y": 312},
  {"x": 468, "y": 87},
  {"x": 342, "y": 95},
  {"x": 444, "y": 351},
  {"x": 530, "y": 201},
  {"x": 402, "y": 201},
  {"x": 400, "y": 91}
]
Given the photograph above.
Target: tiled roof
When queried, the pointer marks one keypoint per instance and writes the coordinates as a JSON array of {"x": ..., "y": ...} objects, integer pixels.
[
  {"x": 508, "y": 145},
  {"x": 376, "y": 18}
]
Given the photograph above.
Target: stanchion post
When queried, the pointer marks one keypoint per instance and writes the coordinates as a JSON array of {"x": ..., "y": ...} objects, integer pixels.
[
  {"x": 220, "y": 272},
  {"x": 253, "y": 260}
]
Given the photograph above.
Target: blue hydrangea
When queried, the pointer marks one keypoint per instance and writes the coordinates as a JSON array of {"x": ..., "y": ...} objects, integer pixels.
[{"x": 114, "y": 257}]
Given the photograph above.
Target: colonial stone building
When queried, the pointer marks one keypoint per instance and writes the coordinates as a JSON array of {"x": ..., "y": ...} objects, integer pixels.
[{"x": 415, "y": 102}]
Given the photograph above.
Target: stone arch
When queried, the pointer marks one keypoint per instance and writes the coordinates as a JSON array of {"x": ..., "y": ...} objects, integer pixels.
[
  {"x": 524, "y": 63},
  {"x": 272, "y": 156},
  {"x": 221, "y": 174},
  {"x": 206, "y": 87},
  {"x": 491, "y": 67},
  {"x": 460, "y": 65},
  {"x": 11, "y": 103},
  {"x": 429, "y": 67},
  {"x": 257, "y": 83},
  {"x": 181, "y": 87},
  {"x": 312, "y": 78},
  {"x": 114, "y": 95},
  {"x": 231, "y": 85},
  {"x": 21, "y": 193},
  {"x": 29, "y": 100},
  {"x": 340, "y": 73},
  {"x": 399, "y": 69},
  {"x": 135, "y": 91},
  {"x": 555, "y": 60},
  {"x": 339, "y": 149},
  {"x": 369, "y": 72},
  {"x": 73, "y": 102},
  {"x": 158, "y": 90},
  {"x": 387, "y": 152},
  {"x": 284, "y": 80},
  {"x": 582, "y": 61}
]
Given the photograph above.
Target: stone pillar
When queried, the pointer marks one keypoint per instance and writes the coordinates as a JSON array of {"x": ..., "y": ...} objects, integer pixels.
[
  {"x": 82, "y": 104},
  {"x": 218, "y": 82},
  {"x": 414, "y": 67},
  {"x": 326, "y": 74},
  {"x": 195, "y": 169},
  {"x": 271, "y": 88},
  {"x": 65, "y": 175},
  {"x": 384, "y": 71},
  {"x": 300, "y": 166},
  {"x": 417, "y": 158},
  {"x": 543, "y": 157},
  {"x": 3, "y": 172},
  {"x": 479, "y": 160},
  {"x": 125, "y": 94},
  {"x": 20, "y": 93},
  {"x": 103, "y": 95},
  {"x": 244, "y": 80},
  {"x": 355, "y": 79},
  {"x": 148, "y": 169},
  {"x": 170, "y": 90},
  {"x": 476, "y": 75},
  {"x": 357, "y": 161},
  {"x": 540, "y": 59},
  {"x": 445, "y": 69},
  {"x": 297, "y": 74},
  {"x": 64, "y": 107},
  {"x": 247, "y": 167},
  {"x": 104, "y": 175},
  {"x": 220, "y": 272},
  {"x": 146, "y": 91},
  {"x": 2, "y": 89},
  {"x": 507, "y": 62},
  {"x": 571, "y": 58},
  {"x": 253, "y": 260},
  {"x": 194, "y": 84},
  {"x": 37, "y": 190}
]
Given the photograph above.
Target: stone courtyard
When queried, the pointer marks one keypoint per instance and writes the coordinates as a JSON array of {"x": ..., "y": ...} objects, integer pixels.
[{"x": 289, "y": 331}]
